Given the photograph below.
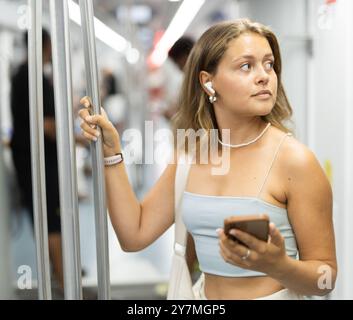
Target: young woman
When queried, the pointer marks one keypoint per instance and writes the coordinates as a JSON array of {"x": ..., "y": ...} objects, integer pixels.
[{"x": 233, "y": 81}]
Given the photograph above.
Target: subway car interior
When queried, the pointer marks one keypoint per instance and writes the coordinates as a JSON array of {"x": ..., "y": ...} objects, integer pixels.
[{"x": 57, "y": 240}]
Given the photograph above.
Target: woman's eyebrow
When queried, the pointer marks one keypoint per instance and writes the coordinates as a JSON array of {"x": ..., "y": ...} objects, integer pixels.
[{"x": 247, "y": 56}]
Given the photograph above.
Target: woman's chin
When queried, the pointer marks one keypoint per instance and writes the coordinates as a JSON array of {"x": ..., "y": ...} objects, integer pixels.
[
  {"x": 261, "y": 111},
  {"x": 265, "y": 108}
]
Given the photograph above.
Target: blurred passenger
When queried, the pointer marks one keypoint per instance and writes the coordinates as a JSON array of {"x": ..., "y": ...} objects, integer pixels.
[
  {"x": 180, "y": 51},
  {"x": 179, "y": 54},
  {"x": 21, "y": 150}
]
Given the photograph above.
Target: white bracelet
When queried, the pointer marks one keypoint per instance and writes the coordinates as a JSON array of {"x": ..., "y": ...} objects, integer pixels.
[{"x": 110, "y": 161}]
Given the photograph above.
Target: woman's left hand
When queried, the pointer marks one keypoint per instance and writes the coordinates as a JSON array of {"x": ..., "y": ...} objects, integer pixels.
[{"x": 266, "y": 257}]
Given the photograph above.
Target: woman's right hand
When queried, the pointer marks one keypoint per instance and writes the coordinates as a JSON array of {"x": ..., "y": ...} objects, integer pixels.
[{"x": 111, "y": 141}]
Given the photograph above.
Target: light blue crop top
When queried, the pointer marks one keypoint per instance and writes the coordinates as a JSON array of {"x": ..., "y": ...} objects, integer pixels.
[{"x": 203, "y": 214}]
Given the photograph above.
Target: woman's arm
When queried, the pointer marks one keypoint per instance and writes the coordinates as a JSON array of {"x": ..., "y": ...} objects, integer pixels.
[
  {"x": 309, "y": 205},
  {"x": 309, "y": 208},
  {"x": 136, "y": 224}
]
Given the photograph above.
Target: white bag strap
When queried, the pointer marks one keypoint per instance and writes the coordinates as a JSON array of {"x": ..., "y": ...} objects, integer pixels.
[{"x": 181, "y": 175}]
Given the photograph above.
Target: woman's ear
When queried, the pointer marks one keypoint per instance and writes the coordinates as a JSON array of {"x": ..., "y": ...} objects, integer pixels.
[{"x": 204, "y": 78}]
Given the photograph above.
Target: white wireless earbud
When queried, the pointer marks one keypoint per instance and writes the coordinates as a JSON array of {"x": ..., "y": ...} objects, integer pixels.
[{"x": 208, "y": 85}]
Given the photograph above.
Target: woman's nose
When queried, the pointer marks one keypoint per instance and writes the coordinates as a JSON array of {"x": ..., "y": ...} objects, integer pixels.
[{"x": 262, "y": 75}]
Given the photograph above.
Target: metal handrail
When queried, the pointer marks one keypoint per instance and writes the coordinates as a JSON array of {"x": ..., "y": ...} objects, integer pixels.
[
  {"x": 102, "y": 246},
  {"x": 66, "y": 148},
  {"x": 35, "y": 79}
]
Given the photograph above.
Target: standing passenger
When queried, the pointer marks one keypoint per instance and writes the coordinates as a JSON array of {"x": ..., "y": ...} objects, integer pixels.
[
  {"x": 233, "y": 81},
  {"x": 21, "y": 151}
]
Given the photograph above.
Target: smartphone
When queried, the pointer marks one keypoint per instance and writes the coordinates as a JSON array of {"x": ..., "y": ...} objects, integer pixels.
[{"x": 256, "y": 225}]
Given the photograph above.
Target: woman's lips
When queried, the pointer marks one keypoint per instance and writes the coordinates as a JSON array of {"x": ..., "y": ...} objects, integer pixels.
[{"x": 263, "y": 96}]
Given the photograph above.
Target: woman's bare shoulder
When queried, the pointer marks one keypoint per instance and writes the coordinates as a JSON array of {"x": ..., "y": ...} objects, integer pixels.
[
  {"x": 293, "y": 154},
  {"x": 297, "y": 159},
  {"x": 291, "y": 147}
]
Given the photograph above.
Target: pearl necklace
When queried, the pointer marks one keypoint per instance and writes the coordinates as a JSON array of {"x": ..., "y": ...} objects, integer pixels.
[{"x": 246, "y": 143}]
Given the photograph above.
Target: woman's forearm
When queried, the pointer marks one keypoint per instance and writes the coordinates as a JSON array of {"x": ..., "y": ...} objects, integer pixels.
[
  {"x": 306, "y": 277},
  {"x": 123, "y": 206}
]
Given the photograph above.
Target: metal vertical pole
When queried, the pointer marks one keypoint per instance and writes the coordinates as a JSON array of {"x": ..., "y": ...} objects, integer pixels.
[
  {"x": 5, "y": 237},
  {"x": 87, "y": 16},
  {"x": 35, "y": 74},
  {"x": 66, "y": 148},
  {"x": 6, "y": 290}
]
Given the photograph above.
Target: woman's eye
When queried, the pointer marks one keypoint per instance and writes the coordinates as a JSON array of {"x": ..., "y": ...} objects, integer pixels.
[
  {"x": 270, "y": 64},
  {"x": 245, "y": 67}
]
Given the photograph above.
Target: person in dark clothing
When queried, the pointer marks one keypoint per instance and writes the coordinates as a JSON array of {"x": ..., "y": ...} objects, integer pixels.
[{"x": 21, "y": 151}]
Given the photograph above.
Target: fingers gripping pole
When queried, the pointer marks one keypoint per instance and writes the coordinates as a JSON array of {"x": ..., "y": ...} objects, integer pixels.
[
  {"x": 37, "y": 147},
  {"x": 89, "y": 43},
  {"x": 66, "y": 148}
]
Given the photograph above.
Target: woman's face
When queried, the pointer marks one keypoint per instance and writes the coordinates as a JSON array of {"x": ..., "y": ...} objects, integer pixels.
[{"x": 245, "y": 69}]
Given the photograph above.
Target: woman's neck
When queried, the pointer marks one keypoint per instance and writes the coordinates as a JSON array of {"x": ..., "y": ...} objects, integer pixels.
[{"x": 241, "y": 130}]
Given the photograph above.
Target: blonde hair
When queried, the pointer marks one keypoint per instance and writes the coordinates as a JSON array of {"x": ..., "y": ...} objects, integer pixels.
[{"x": 195, "y": 110}]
